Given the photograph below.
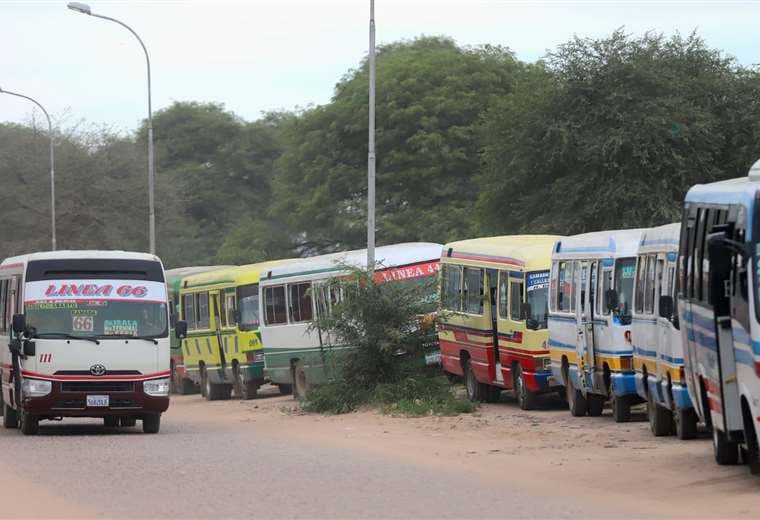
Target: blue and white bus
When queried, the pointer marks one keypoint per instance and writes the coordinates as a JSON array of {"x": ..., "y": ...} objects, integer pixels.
[
  {"x": 657, "y": 350},
  {"x": 719, "y": 314}
]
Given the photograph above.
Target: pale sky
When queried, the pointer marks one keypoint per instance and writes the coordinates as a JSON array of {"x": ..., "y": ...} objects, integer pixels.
[{"x": 264, "y": 55}]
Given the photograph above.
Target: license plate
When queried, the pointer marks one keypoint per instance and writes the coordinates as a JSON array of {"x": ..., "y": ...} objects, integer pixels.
[{"x": 97, "y": 401}]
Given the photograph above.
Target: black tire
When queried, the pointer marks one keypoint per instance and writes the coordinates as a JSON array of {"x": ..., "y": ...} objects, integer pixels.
[
  {"x": 30, "y": 424},
  {"x": 285, "y": 389},
  {"x": 10, "y": 417},
  {"x": 475, "y": 389},
  {"x": 752, "y": 454},
  {"x": 526, "y": 399},
  {"x": 686, "y": 424},
  {"x": 621, "y": 409},
  {"x": 110, "y": 421},
  {"x": 575, "y": 400},
  {"x": 300, "y": 384},
  {"x": 726, "y": 451},
  {"x": 127, "y": 422},
  {"x": 493, "y": 394},
  {"x": 660, "y": 419},
  {"x": 151, "y": 423},
  {"x": 217, "y": 392},
  {"x": 595, "y": 405}
]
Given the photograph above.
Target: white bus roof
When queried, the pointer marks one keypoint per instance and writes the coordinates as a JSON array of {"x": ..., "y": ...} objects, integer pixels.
[
  {"x": 324, "y": 266},
  {"x": 599, "y": 244},
  {"x": 76, "y": 255},
  {"x": 661, "y": 238},
  {"x": 739, "y": 190}
]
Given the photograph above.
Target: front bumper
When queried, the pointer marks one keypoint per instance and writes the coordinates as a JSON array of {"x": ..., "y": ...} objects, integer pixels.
[{"x": 69, "y": 399}]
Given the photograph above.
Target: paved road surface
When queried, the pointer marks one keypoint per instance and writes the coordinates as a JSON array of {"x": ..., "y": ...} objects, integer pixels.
[{"x": 257, "y": 459}]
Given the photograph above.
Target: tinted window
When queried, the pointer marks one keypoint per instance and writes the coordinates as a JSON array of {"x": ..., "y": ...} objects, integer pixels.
[
  {"x": 300, "y": 303},
  {"x": 473, "y": 290},
  {"x": 275, "y": 308},
  {"x": 248, "y": 304},
  {"x": 202, "y": 309},
  {"x": 515, "y": 299}
]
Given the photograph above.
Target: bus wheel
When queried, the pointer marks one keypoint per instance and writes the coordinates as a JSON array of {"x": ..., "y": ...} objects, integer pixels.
[
  {"x": 151, "y": 423},
  {"x": 300, "y": 384},
  {"x": 127, "y": 422},
  {"x": 30, "y": 424},
  {"x": 621, "y": 409},
  {"x": 575, "y": 400},
  {"x": 215, "y": 392},
  {"x": 10, "y": 417},
  {"x": 285, "y": 388},
  {"x": 110, "y": 421},
  {"x": 686, "y": 424},
  {"x": 526, "y": 399},
  {"x": 475, "y": 389},
  {"x": 594, "y": 405},
  {"x": 726, "y": 451},
  {"x": 660, "y": 418}
]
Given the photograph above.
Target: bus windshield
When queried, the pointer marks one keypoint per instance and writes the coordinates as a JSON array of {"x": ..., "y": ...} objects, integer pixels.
[
  {"x": 625, "y": 271},
  {"x": 538, "y": 299},
  {"x": 97, "y": 308}
]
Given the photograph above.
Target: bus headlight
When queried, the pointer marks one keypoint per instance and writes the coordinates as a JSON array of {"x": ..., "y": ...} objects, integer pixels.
[
  {"x": 156, "y": 387},
  {"x": 36, "y": 387}
]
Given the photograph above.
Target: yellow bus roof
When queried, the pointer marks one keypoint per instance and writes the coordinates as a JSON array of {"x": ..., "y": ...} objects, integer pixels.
[
  {"x": 229, "y": 277},
  {"x": 523, "y": 252}
]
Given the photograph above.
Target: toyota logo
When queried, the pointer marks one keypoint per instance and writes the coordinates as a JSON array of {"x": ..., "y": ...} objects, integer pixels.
[{"x": 98, "y": 370}]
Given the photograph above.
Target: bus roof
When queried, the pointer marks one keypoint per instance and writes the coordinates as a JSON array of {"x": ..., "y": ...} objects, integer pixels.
[
  {"x": 599, "y": 244},
  {"x": 175, "y": 276},
  {"x": 80, "y": 254},
  {"x": 324, "y": 266},
  {"x": 741, "y": 189},
  {"x": 232, "y": 276},
  {"x": 527, "y": 252},
  {"x": 662, "y": 238}
]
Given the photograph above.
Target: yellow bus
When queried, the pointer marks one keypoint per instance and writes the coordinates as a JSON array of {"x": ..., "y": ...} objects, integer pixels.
[
  {"x": 495, "y": 311},
  {"x": 223, "y": 350}
]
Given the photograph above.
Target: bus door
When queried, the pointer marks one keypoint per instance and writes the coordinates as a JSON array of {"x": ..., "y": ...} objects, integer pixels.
[
  {"x": 663, "y": 284},
  {"x": 217, "y": 306},
  {"x": 492, "y": 280},
  {"x": 727, "y": 283},
  {"x": 590, "y": 301},
  {"x": 687, "y": 260},
  {"x": 583, "y": 322}
]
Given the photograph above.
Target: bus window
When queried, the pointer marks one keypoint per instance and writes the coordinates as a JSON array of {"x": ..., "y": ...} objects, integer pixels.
[
  {"x": 188, "y": 310},
  {"x": 274, "y": 302},
  {"x": 625, "y": 271},
  {"x": 222, "y": 310},
  {"x": 503, "y": 295},
  {"x": 230, "y": 307},
  {"x": 604, "y": 286},
  {"x": 3, "y": 292},
  {"x": 565, "y": 291},
  {"x": 515, "y": 299},
  {"x": 452, "y": 288},
  {"x": 299, "y": 303},
  {"x": 649, "y": 286},
  {"x": 203, "y": 311},
  {"x": 248, "y": 305},
  {"x": 473, "y": 290},
  {"x": 640, "y": 278},
  {"x": 553, "y": 287}
]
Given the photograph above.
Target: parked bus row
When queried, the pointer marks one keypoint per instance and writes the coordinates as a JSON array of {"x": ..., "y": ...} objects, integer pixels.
[
  {"x": 665, "y": 316},
  {"x": 253, "y": 324}
]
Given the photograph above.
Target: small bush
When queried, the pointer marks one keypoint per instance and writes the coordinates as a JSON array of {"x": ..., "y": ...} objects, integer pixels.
[
  {"x": 334, "y": 397},
  {"x": 420, "y": 395}
]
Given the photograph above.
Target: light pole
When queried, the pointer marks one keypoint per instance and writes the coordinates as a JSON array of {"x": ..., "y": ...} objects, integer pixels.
[
  {"x": 52, "y": 161},
  {"x": 371, "y": 147},
  {"x": 85, "y": 9}
]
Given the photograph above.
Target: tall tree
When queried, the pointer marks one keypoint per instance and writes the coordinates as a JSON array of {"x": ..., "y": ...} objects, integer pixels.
[
  {"x": 431, "y": 96},
  {"x": 610, "y": 133}
]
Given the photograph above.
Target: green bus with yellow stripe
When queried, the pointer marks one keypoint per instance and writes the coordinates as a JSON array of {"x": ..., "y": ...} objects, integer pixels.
[{"x": 223, "y": 352}]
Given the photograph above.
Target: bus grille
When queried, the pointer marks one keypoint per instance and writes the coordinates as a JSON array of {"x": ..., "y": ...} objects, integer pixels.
[{"x": 98, "y": 386}]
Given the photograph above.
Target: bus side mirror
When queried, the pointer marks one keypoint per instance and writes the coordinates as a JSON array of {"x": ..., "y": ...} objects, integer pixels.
[
  {"x": 30, "y": 348},
  {"x": 180, "y": 329},
  {"x": 611, "y": 299},
  {"x": 666, "y": 306},
  {"x": 19, "y": 324}
]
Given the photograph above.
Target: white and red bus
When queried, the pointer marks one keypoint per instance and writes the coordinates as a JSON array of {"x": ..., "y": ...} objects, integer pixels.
[{"x": 87, "y": 335}]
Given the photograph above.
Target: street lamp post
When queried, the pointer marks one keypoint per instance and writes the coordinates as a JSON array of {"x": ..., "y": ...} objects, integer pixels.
[
  {"x": 52, "y": 162},
  {"x": 85, "y": 9},
  {"x": 371, "y": 147}
]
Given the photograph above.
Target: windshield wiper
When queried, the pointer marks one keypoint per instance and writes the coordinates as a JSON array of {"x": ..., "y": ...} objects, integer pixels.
[
  {"x": 65, "y": 335},
  {"x": 130, "y": 336}
]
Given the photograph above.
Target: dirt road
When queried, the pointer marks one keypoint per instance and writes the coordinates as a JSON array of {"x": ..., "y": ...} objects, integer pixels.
[{"x": 262, "y": 459}]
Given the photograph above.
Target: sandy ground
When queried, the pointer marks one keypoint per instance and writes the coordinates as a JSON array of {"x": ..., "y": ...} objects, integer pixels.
[{"x": 263, "y": 458}]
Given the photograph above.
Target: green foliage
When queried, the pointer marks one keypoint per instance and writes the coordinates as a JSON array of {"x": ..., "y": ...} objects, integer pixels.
[
  {"x": 610, "y": 133},
  {"x": 431, "y": 96},
  {"x": 335, "y": 397},
  {"x": 421, "y": 394}
]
